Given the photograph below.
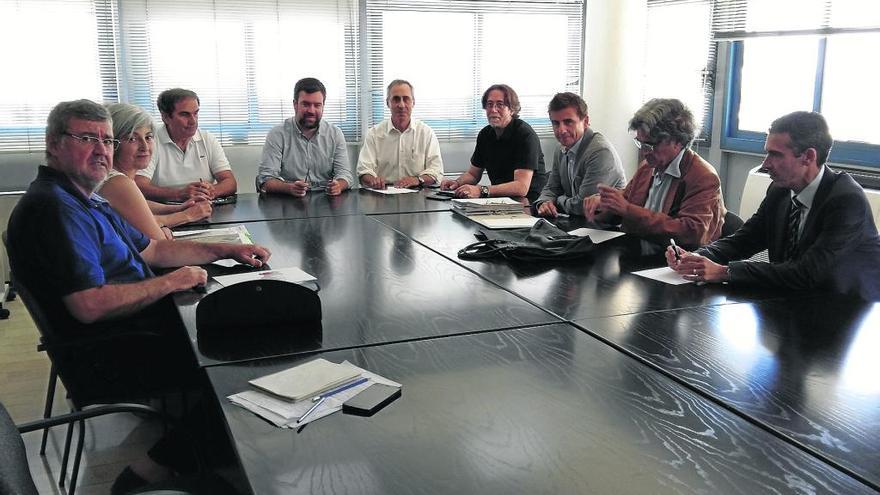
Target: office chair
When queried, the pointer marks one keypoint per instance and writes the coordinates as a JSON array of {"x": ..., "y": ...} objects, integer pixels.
[
  {"x": 15, "y": 475},
  {"x": 732, "y": 223},
  {"x": 85, "y": 365}
]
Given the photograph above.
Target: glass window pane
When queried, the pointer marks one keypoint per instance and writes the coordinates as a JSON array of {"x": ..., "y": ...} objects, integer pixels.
[
  {"x": 681, "y": 76},
  {"x": 849, "y": 82},
  {"x": 774, "y": 15},
  {"x": 534, "y": 66},
  {"x": 50, "y": 54},
  {"x": 439, "y": 66},
  {"x": 855, "y": 13},
  {"x": 778, "y": 77}
]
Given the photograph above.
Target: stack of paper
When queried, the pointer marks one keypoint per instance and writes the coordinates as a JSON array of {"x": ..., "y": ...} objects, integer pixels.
[
  {"x": 306, "y": 380},
  {"x": 293, "y": 274},
  {"x": 284, "y": 413},
  {"x": 487, "y": 206},
  {"x": 494, "y": 213},
  {"x": 237, "y": 234}
]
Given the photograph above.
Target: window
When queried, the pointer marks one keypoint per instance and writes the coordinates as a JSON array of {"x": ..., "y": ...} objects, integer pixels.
[
  {"x": 680, "y": 63},
  {"x": 51, "y": 54},
  {"x": 822, "y": 65},
  {"x": 463, "y": 47},
  {"x": 242, "y": 58}
]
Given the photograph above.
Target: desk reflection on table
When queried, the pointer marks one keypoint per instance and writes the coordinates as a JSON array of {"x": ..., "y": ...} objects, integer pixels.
[
  {"x": 804, "y": 367},
  {"x": 253, "y": 207}
]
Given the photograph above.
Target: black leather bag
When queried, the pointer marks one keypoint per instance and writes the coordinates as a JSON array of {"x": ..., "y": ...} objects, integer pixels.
[{"x": 543, "y": 242}]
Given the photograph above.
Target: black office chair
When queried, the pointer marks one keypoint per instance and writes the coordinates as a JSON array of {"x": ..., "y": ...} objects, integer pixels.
[
  {"x": 15, "y": 475},
  {"x": 85, "y": 365},
  {"x": 732, "y": 223}
]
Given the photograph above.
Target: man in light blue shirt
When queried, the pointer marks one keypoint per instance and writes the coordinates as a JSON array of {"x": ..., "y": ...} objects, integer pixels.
[
  {"x": 305, "y": 153},
  {"x": 584, "y": 160}
]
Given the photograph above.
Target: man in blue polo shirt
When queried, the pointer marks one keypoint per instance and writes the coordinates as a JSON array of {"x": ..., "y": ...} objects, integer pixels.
[
  {"x": 90, "y": 271},
  {"x": 68, "y": 246}
]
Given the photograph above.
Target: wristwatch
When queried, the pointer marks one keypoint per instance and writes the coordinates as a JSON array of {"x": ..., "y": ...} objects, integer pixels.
[
  {"x": 484, "y": 191},
  {"x": 421, "y": 180}
]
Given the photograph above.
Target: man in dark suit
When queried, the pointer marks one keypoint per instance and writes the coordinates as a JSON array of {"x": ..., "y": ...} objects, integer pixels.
[{"x": 815, "y": 222}]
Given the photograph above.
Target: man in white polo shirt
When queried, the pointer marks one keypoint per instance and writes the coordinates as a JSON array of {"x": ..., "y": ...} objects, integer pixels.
[{"x": 188, "y": 162}]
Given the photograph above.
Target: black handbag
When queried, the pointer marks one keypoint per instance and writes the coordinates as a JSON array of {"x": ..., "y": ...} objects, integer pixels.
[{"x": 543, "y": 242}]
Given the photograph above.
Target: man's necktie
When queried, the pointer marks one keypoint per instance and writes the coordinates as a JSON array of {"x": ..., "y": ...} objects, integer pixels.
[{"x": 794, "y": 222}]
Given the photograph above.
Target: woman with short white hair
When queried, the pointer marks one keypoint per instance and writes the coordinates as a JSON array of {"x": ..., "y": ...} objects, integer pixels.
[{"x": 133, "y": 127}]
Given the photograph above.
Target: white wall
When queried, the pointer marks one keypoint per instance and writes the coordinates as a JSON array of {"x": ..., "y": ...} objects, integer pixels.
[{"x": 613, "y": 56}]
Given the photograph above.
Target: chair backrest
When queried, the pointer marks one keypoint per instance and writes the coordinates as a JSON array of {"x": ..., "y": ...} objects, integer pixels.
[
  {"x": 732, "y": 223},
  {"x": 15, "y": 475}
]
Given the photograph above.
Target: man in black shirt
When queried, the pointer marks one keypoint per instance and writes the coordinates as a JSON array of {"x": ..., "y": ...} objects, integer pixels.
[{"x": 508, "y": 149}]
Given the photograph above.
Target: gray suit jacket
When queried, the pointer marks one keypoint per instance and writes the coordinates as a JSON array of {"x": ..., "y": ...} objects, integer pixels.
[
  {"x": 838, "y": 249},
  {"x": 595, "y": 163}
]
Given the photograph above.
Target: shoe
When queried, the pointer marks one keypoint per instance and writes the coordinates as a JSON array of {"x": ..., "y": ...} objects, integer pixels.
[{"x": 126, "y": 482}]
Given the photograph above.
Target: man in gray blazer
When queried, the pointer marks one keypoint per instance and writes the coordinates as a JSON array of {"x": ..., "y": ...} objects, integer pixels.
[
  {"x": 815, "y": 222},
  {"x": 584, "y": 160}
]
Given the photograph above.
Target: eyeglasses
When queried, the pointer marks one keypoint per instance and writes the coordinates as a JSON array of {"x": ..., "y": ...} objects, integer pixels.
[
  {"x": 495, "y": 104},
  {"x": 93, "y": 140},
  {"x": 132, "y": 139},
  {"x": 647, "y": 147}
]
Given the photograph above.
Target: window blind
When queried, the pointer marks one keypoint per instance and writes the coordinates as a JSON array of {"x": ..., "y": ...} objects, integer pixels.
[
  {"x": 242, "y": 58},
  {"x": 680, "y": 57},
  {"x": 54, "y": 50},
  {"x": 452, "y": 50},
  {"x": 740, "y": 19}
]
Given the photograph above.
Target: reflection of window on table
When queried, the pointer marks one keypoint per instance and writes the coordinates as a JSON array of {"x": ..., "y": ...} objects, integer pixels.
[{"x": 451, "y": 51}]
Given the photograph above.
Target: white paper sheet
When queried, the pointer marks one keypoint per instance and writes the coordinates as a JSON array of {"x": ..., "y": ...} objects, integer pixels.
[
  {"x": 596, "y": 235},
  {"x": 291, "y": 274},
  {"x": 392, "y": 190},
  {"x": 663, "y": 274}
]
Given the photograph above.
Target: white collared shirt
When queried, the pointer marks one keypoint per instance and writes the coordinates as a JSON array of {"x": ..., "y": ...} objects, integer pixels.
[
  {"x": 170, "y": 166},
  {"x": 570, "y": 156},
  {"x": 806, "y": 196},
  {"x": 661, "y": 182},
  {"x": 392, "y": 154}
]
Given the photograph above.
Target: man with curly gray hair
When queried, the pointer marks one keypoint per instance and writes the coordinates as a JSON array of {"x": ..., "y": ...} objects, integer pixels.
[{"x": 675, "y": 194}]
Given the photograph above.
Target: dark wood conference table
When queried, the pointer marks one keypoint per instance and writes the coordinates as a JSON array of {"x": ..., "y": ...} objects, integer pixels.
[
  {"x": 599, "y": 285},
  {"x": 533, "y": 410},
  {"x": 575, "y": 378},
  {"x": 805, "y": 369},
  {"x": 376, "y": 286}
]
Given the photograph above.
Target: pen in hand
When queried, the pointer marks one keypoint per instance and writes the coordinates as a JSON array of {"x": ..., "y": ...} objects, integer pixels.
[{"x": 675, "y": 250}]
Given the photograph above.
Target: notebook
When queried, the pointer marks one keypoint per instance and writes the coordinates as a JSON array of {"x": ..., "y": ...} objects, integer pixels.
[{"x": 306, "y": 380}]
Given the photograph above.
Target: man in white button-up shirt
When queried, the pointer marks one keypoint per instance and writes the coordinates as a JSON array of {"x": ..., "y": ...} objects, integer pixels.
[
  {"x": 188, "y": 162},
  {"x": 401, "y": 150}
]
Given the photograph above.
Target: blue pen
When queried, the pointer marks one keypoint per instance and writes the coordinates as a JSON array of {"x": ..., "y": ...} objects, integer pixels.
[{"x": 341, "y": 388}]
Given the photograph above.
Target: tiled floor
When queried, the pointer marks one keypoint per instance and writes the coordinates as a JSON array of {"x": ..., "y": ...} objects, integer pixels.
[{"x": 111, "y": 442}]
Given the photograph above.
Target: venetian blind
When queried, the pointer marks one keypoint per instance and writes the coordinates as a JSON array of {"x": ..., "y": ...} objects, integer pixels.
[
  {"x": 242, "y": 58},
  {"x": 452, "y": 50},
  {"x": 680, "y": 57},
  {"x": 739, "y": 19},
  {"x": 54, "y": 50}
]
